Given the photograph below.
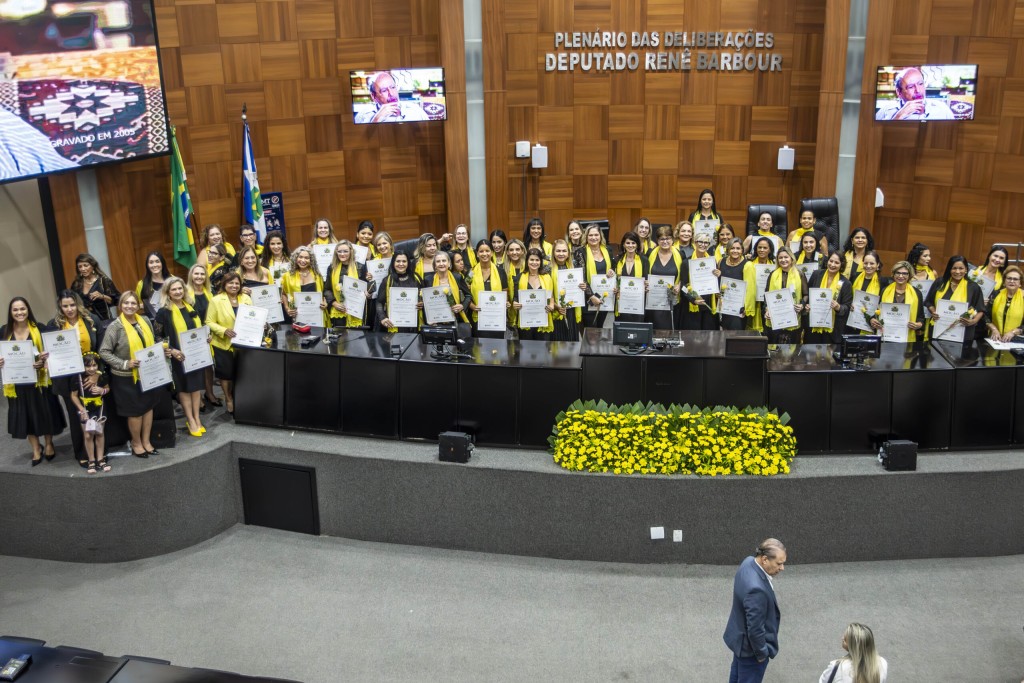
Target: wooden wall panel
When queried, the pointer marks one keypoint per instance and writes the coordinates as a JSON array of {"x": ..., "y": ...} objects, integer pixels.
[
  {"x": 954, "y": 186},
  {"x": 650, "y": 140},
  {"x": 288, "y": 62}
]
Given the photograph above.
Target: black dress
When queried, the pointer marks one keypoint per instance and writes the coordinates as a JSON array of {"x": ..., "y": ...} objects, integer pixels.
[
  {"x": 627, "y": 271},
  {"x": 732, "y": 322},
  {"x": 503, "y": 287},
  {"x": 842, "y": 315},
  {"x": 33, "y": 410},
  {"x": 663, "y": 320},
  {"x": 99, "y": 308},
  {"x": 184, "y": 382},
  {"x": 408, "y": 281}
]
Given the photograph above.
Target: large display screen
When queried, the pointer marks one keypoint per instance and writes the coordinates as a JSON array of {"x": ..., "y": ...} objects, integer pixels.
[
  {"x": 79, "y": 85},
  {"x": 398, "y": 95},
  {"x": 926, "y": 92}
]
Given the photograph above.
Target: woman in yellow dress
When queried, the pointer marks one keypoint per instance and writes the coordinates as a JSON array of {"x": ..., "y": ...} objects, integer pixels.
[
  {"x": 1005, "y": 315},
  {"x": 221, "y": 319},
  {"x": 303, "y": 277}
]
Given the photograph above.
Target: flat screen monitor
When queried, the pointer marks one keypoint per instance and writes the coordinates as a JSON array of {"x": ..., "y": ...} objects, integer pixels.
[
  {"x": 632, "y": 334},
  {"x": 926, "y": 92},
  {"x": 860, "y": 346},
  {"x": 398, "y": 95},
  {"x": 80, "y": 85}
]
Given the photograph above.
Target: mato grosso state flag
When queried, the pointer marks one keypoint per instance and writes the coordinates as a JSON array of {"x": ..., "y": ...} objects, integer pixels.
[
  {"x": 181, "y": 210},
  {"x": 252, "y": 202}
]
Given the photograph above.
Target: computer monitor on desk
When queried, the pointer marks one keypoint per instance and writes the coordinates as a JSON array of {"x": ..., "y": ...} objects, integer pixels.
[{"x": 634, "y": 336}]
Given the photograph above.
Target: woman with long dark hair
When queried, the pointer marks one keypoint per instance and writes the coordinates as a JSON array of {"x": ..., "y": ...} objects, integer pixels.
[
  {"x": 706, "y": 209},
  {"x": 486, "y": 277},
  {"x": 32, "y": 409},
  {"x": 631, "y": 263},
  {"x": 276, "y": 257},
  {"x": 858, "y": 243},
  {"x": 95, "y": 287},
  {"x": 989, "y": 276},
  {"x": 398, "y": 276},
  {"x": 498, "y": 242},
  {"x": 954, "y": 285},
  {"x": 831, "y": 278},
  {"x": 152, "y": 281},
  {"x": 72, "y": 316},
  {"x": 535, "y": 237}
]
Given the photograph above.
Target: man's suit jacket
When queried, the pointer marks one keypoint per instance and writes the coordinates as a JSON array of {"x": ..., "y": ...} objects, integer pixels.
[{"x": 753, "y": 628}]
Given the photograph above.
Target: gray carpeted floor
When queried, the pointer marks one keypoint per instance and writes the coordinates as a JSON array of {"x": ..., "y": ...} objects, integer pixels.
[{"x": 325, "y": 610}]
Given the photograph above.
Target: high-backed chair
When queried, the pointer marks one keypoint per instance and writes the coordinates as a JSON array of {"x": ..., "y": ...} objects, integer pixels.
[
  {"x": 406, "y": 247},
  {"x": 826, "y": 217},
  {"x": 780, "y": 219}
]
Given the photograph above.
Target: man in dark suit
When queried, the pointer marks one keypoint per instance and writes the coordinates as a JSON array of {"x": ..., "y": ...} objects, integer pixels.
[{"x": 753, "y": 629}]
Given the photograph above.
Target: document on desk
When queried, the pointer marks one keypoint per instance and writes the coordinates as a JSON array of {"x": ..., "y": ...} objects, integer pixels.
[{"x": 493, "y": 313}]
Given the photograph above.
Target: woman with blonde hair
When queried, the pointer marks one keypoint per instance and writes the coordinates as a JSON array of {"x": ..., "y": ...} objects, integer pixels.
[{"x": 861, "y": 663}]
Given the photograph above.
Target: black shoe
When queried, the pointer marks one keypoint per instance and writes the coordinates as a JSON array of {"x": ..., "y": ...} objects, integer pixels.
[
  {"x": 143, "y": 454},
  {"x": 36, "y": 461},
  {"x": 50, "y": 456},
  {"x": 153, "y": 452}
]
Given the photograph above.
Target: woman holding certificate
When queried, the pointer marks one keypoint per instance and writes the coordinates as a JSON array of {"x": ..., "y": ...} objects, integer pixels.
[
  {"x": 595, "y": 261},
  {"x": 807, "y": 228},
  {"x": 840, "y": 300},
  {"x": 534, "y": 237},
  {"x": 515, "y": 262},
  {"x": 342, "y": 305},
  {"x": 858, "y": 243},
  {"x": 364, "y": 238},
  {"x": 461, "y": 245},
  {"x": 213, "y": 235},
  {"x": 150, "y": 284},
  {"x": 869, "y": 281},
  {"x": 275, "y": 255},
  {"x": 423, "y": 254},
  {"x": 782, "y": 313},
  {"x": 955, "y": 286},
  {"x": 398, "y": 277},
  {"x": 665, "y": 265},
  {"x": 699, "y": 311},
  {"x": 733, "y": 269},
  {"x": 810, "y": 250},
  {"x": 250, "y": 270},
  {"x": 32, "y": 409},
  {"x": 1004, "y": 319},
  {"x": 128, "y": 334},
  {"x": 901, "y": 292},
  {"x": 303, "y": 277},
  {"x": 72, "y": 316},
  {"x": 198, "y": 295},
  {"x": 566, "y": 321},
  {"x": 486, "y": 277},
  {"x": 756, "y": 276},
  {"x": 383, "y": 245},
  {"x": 920, "y": 257},
  {"x": 990, "y": 276},
  {"x": 530, "y": 314},
  {"x": 631, "y": 263},
  {"x": 221, "y": 319},
  {"x": 94, "y": 286},
  {"x": 176, "y": 317},
  {"x": 457, "y": 289},
  {"x": 765, "y": 222}
]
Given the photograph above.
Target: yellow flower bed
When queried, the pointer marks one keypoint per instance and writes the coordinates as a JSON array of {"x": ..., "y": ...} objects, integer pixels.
[{"x": 648, "y": 439}]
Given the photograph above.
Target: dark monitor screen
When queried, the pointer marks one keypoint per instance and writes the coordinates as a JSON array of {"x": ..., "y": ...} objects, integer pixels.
[
  {"x": 632, "y": 334},
  {"x": 860, "y": 346}
]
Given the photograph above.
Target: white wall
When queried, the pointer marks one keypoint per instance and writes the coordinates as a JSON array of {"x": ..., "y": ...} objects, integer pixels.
[{"x": 24, "y": 256}]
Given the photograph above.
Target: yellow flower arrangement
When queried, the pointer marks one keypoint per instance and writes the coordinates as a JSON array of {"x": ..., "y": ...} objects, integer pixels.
[{"x": 650, "y": 439}]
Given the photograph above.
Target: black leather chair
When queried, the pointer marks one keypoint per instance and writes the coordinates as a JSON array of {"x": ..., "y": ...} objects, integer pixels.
[
  {"x": 826, "y": 217},
  {"x": 406, "y": 247},
  {"x": 24, "y": 641},
  {"x": 780, "y": 219}
]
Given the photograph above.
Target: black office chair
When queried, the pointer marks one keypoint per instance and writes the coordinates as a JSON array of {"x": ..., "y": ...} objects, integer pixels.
[
  {"x": 150, "y": 660},
  {"x": 72, "y": 651},
  {"x": 826, "y": 217},
  {"x": 24, "y": 641},
  {"x": 406, "y": 247},
  {"x": 780, "y": 219}
]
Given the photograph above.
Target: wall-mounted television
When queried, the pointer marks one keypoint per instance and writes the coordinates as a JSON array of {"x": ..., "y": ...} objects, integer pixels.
[
  {"x": 80, "y": 85},
  {"x": 926, "y": 92},
  {"x": 398, "y": 95}
]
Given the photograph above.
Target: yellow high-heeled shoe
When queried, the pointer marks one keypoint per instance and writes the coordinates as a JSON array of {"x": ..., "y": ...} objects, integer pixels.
[
  {"x": 202, "y": 430},
  {"x": 195, "y": 434}
]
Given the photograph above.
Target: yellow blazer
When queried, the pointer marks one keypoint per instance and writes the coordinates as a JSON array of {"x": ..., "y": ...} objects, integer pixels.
[{"x": 221, "y": 318}]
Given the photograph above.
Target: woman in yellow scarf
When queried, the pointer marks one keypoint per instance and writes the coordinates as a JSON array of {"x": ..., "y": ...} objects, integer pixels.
[
  {"x": 486, "y": 277},
  {"x": 221, "y": 319},
  {"x": 535, "y": 237},
  {"x": 706, "y": 208},
  {"x": 807, "y": 228},
  {"x": 954, "y": 285},
  {"x": 684, "y": 239},
  {"x": 990, "y": 275},
  {"x": 175, "y": 319},
  {"x": 858, "y": 243},
  {"x": 198, "y": 296},
  {"x": 323, "y": 232},
  {"x": 73, "y": 316},
  {"x": 700, "y": 313},
  {"x": 734, "y": 266},
  {"x": 785, "y": 276},
  {"x": 764, "y": 255},
  {"x": 573, "y": 236},
  {"x": 275, "y": 256},
  {"x": 643, "y": 231},
  {"x": 665, "y": 261},
  {"x": 515, "y": 263},
  {"x": 303, "y": 277},
  {"x": 809, "y": 251},
  {"x": 524, "y": 284},
  {"x": 32, "y": 409},
  {"x": 723, "y": 236},
  {"x": 566, "y": 321},
  {"x": 1005, "y": 318},
  {"x": 459, "y": 294},
  {"x": 868, "y": 280},
  {"x": 364, "y": 238},
  {"x": 126, "y": 335},
  {"x": 461, "y": 245},
  {"x": 831, "y": 278},
  {"x": 902, "y": 292},
  {"x": 344, "y": 265},
  {"x": 398, "y": 277},
  {"x": 765, "y": 224},
  {"x": 213, "y": 235},
  {"x": 423, "y": 254},
  {"x": 631, "y": 263},
  {"x": 595, "y": 260},
  {"x": 920, "y": 259}
]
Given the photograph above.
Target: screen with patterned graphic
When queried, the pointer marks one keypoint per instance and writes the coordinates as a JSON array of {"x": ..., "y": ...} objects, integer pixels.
[{"x": 80, "y": 84}]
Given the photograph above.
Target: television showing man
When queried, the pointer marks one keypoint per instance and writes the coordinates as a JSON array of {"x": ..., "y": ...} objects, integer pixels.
[
  {"x": 387, "y": 106},
  {"x": 24, "y": 151},
  {"x": 911, "y": 103},
  {"x": 753, "y": 629}
]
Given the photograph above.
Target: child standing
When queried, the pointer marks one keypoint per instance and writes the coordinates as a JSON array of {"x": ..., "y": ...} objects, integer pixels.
[{"x": 88, "y": 398}]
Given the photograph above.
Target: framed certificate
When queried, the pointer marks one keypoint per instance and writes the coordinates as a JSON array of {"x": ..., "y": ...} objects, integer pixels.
[
  {"x": 895, "y": 318},
  {"x": 65, "y": 353},
  {"x": 355, "y": 296},
  {"x": 820, "y": 299},
  {"x": 534, "y": 311},
  {"x": 268, "y": 297},
  {"x": 195, "y": 346},
  {"x": 307, "y": 308},
  {"x": 631, "y": 295},
  {"x": 493, "y": 312},
  {"x": 862, "y": 301},
  {"x": 323, "y": 253},
  {"x": 18, "y": 359},
  {"x": 734, "y": 297},
  {"x": 436, "y": 308},
  {"x": 402, "y": 306},
  {"x": 569, "y": 280},
  {"x": 249, "y": 324},
  {"x": 604, "y": 287},
  {"x": 660, "y": 293},
  {"x": 154, "y": 370},
  {"x": 781, "y": 308},
  {"x": 702, "y": 276}
]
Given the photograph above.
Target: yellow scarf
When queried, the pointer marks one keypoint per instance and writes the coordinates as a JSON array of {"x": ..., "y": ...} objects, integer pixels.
[
  {"x": 850, "y": 264},
  {"x": 794, "y": 285},
  {"x": 677, "y": 258},
  {"x": 180, "y": 327},
  {"x": 711, "y": 300},
  {"x": 873, "y": 286},
  {"x": 979, "y": 273},
  {"x": 42, "y": 376},
  {"x": 801, "y": 257},
  {"x": 291, "y": 282},
  {"x": 336, "y": 282},
  {"x": 925, "y": 269},
  {"x": 468, "y": 256},
  {"x": 911, "y": 298},
  {"x": 1011, "y": 318},
  {"x": 325, "y": 240},
  {"x": 638, "y": 266},
  {"x": 83, "y": 334},
  {"x": 545, "y": 283},
  {"x": 959, "y": 294},
  {"x": 477, "y": 283},
  {"x": 591, "y": 265},
  {"x": 555, "y": 294},
  {"x": 837, "y": 284},
  {"x": 136, "y": 344},
  {"x": 454, "y": 290}
]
